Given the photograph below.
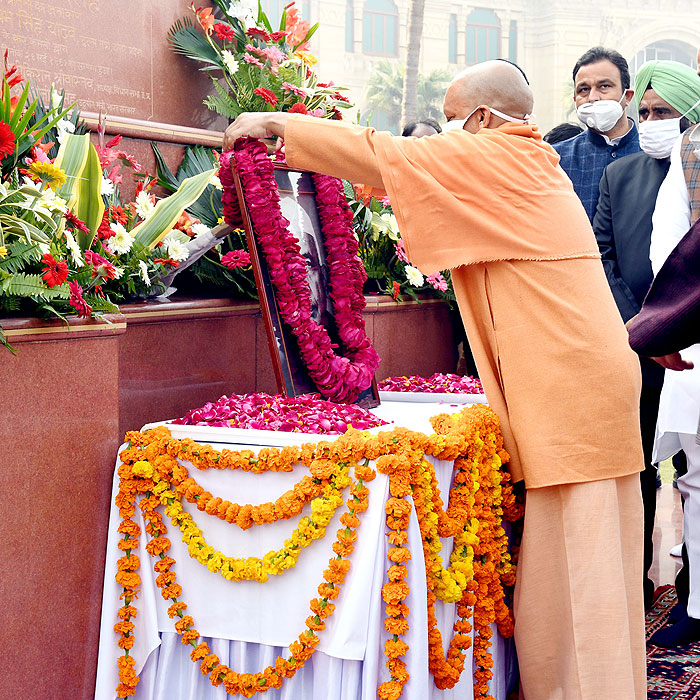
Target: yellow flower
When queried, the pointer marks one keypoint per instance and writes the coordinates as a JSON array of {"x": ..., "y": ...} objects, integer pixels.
[
  {"x": 3, "y": 251},
  {"x": 307, "y": 57},
  {"x": 49, "y": 173},
  {"x": 143, "y": 468}
]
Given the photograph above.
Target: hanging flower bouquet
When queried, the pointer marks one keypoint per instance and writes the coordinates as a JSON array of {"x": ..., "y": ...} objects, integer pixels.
[
  {"x": 254, "y": 68},
  {"x": 68, "y": 244}
]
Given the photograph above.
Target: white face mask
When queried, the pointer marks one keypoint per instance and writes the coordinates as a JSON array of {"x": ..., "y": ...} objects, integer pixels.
[
  {"x": 657, "y": 136},
  {"x": 458, "y": 124},
  {"x": 601, "y": 115}
]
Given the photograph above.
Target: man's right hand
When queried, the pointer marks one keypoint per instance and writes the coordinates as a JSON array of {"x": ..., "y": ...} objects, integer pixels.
[{"x": 673, "y": 361}]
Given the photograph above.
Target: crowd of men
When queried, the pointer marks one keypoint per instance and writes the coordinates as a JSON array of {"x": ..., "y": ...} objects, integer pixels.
[{"x": 523, "y": 228}]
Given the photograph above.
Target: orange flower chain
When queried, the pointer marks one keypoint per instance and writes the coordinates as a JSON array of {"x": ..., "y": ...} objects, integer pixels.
[{"x": 152, "y": 475}]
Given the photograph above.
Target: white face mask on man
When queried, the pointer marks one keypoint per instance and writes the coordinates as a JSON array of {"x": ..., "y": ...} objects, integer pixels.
[
  {"x": 458, "y": 124},
  {"x": 657, "y": 136},
  {"x": 601, "y": 115}
]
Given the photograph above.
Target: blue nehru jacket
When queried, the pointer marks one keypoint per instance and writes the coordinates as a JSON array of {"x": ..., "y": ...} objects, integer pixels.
[{"x": 584, "y": 157}]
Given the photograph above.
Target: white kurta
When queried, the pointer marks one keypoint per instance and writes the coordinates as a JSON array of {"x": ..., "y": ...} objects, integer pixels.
[{"x": 679, "y": 407}]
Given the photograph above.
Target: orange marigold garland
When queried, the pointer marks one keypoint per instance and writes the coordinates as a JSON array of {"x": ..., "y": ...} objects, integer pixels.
[{"x": 479, "y": 565}]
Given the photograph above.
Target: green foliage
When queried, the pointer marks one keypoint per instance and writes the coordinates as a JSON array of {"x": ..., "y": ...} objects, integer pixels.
[
  {"x": 184, "y": 39},
  {"x": 385, "y": 90}
]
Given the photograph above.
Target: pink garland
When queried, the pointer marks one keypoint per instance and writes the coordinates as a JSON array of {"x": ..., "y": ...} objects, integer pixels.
[{"x": 338, "y": 378}]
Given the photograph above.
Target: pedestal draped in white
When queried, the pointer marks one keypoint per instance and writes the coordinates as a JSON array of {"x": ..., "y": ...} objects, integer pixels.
[{"x": 248, "y": 624}]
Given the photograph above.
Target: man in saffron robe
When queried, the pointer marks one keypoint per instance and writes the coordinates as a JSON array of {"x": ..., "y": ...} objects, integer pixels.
[{"x": 489, "y": 201}]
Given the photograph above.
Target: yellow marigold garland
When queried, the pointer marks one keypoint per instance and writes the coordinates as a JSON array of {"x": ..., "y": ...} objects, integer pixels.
[{"x": 479, "y": 565}]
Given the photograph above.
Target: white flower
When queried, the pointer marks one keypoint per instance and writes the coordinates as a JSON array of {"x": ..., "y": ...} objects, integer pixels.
[
  {"x": 216, "y": 182},
  {"x": 120, "y": 242},
  {"x": 175, "y": 249},
  {"x": 244, "y": 10},
  {"x": 414, "y": 276},
  {"x": 118, "y": 272},
  {"x": 64, "y": 126},
  {"x": 107, "y": 187},
  {"x": 200, "y": 230},
  {"x": 74, "y": 248},
  {"x": 44, "y": 248},
  {"x": 51, "y": 202},
  {"x": 392, "y": 226},
  {"x": 144, "y": 205},
  {"x": 143, "y": 273},
  {"x": 229, "y": 61},
  {"x": 55, "y": 98}
]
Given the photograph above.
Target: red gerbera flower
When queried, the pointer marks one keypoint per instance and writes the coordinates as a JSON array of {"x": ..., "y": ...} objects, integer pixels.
[
  {"x": 267, "y": 95},
  {"x": 82, "y": 308},
  {"x": 224, "y": 32},
  {"x": 55, "y": 271},
  {"x": 278, "y": 36},
  {"x": 7, "y": 139},
  {"x": 101, "y": 267},
  {"x": 104, "y": 230},
  {"x": 256, "y": 31},
  {"x": 298, "y": 108},
  {"x": 75, "y": 222},
  {"x": 118, "y": 215},
  {"x": 236, "y": 258}
]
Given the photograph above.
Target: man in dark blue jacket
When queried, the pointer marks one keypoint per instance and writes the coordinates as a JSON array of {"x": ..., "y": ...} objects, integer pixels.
[
  {"x": 666, "y": 92},
  {"x": 601, "y": 94}
]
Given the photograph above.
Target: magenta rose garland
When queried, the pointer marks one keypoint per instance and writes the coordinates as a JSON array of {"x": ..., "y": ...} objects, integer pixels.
[
  {"x": 434, "y": 384},
  {"x": 303, "y": 414},
  {"x": 339, "y": 378}
]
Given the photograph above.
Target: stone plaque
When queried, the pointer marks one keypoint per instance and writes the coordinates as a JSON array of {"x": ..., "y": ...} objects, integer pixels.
[{"x": 112, "y": 57}]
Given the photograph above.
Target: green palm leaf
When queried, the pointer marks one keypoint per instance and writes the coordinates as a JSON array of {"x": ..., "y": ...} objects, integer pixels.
[{"x": 186, "y": 40}]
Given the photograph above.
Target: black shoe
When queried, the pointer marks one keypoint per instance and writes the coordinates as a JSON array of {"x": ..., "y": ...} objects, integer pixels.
[{"x": 685, "y": 631}]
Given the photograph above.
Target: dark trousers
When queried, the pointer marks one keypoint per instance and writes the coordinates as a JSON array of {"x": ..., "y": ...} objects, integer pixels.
[{"x": 648, "y": 411}]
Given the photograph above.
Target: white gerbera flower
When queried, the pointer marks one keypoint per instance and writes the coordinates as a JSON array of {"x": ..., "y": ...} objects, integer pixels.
[
  {"x": 143, "y": 273},
  {"x": 176, "y": 249},
  {"x": 144, "y": 205},
  {"x": 229, "y": 61},
  {"x": 74, "y": 248},
  {"x": 64, "y": 126},
  {"x": 200, "y": 230},
  {"x": 414, "y": 276},
  {"x": 120, "y": 242},
  {"x": 107, "y": 187}
]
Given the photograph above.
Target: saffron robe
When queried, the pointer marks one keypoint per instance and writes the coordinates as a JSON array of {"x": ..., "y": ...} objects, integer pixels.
[{"x": 497, "y": 210}]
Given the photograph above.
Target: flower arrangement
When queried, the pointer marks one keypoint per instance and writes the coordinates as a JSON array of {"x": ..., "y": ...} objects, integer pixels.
[
  {"x": 68, "y": 243},
  {"x": 389, "y": 270},
  {"x": 254, "y": 68},
  {"x": 302, "y": 414},
  {"x": 437, "y": 383},
  {"x": 152, "y": 475}
]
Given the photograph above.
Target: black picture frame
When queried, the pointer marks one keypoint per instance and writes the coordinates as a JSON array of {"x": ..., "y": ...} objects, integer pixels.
[{"x": 298, "y": 205}]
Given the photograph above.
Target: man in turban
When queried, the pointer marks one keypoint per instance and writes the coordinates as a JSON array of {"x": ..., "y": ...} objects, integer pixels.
[
  {"x": 667, "y": 94},
  {"x": 487, "y": 199},
  {"x": 677, "y": 208}
]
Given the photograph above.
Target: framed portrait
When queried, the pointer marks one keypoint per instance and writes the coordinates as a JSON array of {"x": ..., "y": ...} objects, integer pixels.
[{"x": 298, "y": 205}]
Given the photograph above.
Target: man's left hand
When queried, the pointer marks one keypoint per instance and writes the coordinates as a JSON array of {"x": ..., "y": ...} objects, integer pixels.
[{"x": 673, "y": 361}]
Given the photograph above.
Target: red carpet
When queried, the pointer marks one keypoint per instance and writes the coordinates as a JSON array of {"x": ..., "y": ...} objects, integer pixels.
[{"x": 672, "y": 674}]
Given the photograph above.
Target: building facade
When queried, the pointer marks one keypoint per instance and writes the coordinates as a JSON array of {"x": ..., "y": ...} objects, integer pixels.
[{"x": 545, "y": 37}]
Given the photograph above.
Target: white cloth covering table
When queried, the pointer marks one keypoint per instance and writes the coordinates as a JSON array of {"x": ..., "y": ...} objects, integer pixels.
[{"x": 248, "y": 624}]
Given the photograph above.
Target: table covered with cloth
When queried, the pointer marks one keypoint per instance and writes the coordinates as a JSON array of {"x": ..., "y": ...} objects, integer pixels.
[{"x": 248, "y": 624}]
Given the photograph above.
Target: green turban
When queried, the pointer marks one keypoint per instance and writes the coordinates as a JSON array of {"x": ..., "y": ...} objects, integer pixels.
[{"x": 674, "y": 82}]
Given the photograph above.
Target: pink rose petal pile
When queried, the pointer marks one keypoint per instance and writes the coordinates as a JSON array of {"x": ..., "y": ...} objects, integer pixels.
[
  {"x": 303, "y": 414},
  {"x": 434, "y": 384}
]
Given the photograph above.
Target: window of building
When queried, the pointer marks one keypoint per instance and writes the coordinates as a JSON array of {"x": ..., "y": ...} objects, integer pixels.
[
  {"x": 274, "y": 9},
  {"x": 380, "y": 28},
  {"x": 513, "y": 41},
  {"x": 483, "y": 36},
  {"x": 349, "y": 25},
  {"x": 669, "y": 50},
  {"x": 452, "y": 40}
]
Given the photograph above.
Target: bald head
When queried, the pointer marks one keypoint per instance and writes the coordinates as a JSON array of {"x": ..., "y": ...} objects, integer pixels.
[{"x": 496, "y": 84}]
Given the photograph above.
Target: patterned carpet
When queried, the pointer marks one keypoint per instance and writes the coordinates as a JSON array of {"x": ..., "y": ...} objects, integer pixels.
[{"x": 672, "y": 674}]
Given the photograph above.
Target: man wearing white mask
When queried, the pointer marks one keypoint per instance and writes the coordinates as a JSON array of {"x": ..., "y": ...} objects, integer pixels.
[
  {"x": 601, "y": 94},
  {"x": 667, "y": 94},
  {"x": 677, "y": 208}
]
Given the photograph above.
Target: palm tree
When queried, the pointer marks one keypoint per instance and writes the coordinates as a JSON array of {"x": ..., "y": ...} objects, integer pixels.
[
  {"x": 385, "y": 89},
  {"x": 409, "y": 104}
]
